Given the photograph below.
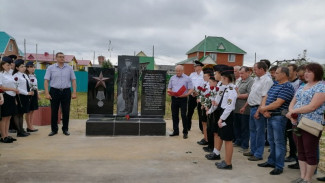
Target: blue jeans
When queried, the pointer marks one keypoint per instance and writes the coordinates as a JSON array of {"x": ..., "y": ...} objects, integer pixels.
[
  {"x": 276, "y": 136},
  {"x": 257, "y": 133},
  {"x": 241, "y": 130}
]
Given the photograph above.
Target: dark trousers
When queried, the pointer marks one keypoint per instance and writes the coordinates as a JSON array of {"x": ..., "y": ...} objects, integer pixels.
[
  {"x": 292, "y": 145},
  {"x": 191, "y": 105},
  {"x": 210, "y": 130},
  {"x": 200, "y": 114},
  {"x": 241, "y": 130},
  {"x": 179, "y": 103},
  {"x": 60, "y": 98}
]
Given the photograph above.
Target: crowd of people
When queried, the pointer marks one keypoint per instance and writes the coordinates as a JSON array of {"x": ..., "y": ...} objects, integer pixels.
[
  {"x": 253, "y": 108},
  {"x": 19, "y": 95}
]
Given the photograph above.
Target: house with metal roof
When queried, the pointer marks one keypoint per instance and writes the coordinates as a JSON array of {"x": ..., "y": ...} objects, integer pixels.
[
  {"x": 42, "y": 61},
  {"x": 8, "y": 46},
  {"x": 82, "y": 65},
  {"x": 217, "y": 50}
]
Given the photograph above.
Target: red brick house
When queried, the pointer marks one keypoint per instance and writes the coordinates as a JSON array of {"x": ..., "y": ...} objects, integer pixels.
[{"x": 217, "y": 49}]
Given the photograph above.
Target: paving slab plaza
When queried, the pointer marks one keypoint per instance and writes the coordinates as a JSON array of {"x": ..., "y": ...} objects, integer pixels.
[{"x": 80, "y": 158}]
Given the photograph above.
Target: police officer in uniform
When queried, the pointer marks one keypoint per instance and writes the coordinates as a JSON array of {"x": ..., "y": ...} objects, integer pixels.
[
  {"x": 197, "y": 79},
  {"x": 225, "y": 122}
]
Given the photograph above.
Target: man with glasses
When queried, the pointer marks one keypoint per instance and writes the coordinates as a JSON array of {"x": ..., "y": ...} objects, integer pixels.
[{"x": 60, "y": 75}]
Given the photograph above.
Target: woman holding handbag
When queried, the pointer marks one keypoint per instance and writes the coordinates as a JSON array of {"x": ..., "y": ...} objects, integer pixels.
[{"x": 309, "y": 102}]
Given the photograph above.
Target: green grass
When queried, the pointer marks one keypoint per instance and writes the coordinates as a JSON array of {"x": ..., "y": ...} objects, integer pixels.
[{"x": 78, "y": 107}]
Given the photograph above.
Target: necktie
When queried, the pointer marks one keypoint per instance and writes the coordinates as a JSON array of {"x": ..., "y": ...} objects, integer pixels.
[{"x": 27, "y": 83}]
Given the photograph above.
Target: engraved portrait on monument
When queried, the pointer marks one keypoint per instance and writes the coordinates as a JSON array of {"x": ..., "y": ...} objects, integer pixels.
[{"x": 128, "y": 76}]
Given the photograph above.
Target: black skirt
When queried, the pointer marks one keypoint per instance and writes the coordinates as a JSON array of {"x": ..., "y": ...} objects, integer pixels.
[
  {"x": 34, "y": 101},
  {"x": 216, "y": 116},
  {"x": 9, "y": 107},
  {"x": 204, "y": 115},
  {"x": 23, "y": 103},
  {"x": 226, "y": 133}
]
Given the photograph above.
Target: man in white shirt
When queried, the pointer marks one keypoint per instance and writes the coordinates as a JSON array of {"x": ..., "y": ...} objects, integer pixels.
[
  {"x": 257, "y": 121},
  {"x": 197, "y": 79}
]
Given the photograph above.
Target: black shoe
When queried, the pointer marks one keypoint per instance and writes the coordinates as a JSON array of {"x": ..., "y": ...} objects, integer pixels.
[
  {"x": 223, "y": 166},
  {"x": 22, "y": 134},
  {"x": 12, "y": 131},
  {"x": 276, "y": 171},
  {"x": 289, "y": 159},
  {"x": 202, "y": 142},
  {"x": 294, "y": 166},
  {"x": 185, "y": 136},
  {"x": 321, "y": 179},
  {"x": 67, "y": 133},
  {"x": 11, "y": 138},
  {"x": 253, "y": 158},
  {"x": 6, "y": 140},
  {"x": 266, "y": 164},
  {"x": 29, "y": 130},
  {"x": 212, "y": 156},
  {"x": 174, "y": 134},
  {"x": 248, "y": 154},
  {"x": 52, "y": 133},
  {"x": 207, "y": 149}
]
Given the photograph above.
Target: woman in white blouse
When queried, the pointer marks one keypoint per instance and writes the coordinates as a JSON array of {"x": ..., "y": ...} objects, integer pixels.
[
  {"x": 22, "y": 82},
  {"x": 9, "y": 108},
  {"x": 30, "y": 71}
]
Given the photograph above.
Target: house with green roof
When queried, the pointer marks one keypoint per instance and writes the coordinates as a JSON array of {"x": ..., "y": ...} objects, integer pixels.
[
  {"x": 217, "y": 50},
  {"x": 8, "y": 45}
]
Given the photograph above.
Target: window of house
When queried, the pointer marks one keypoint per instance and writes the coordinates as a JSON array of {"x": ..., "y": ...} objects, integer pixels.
[
  {"x": 213, "y": 56},
  {"x": 10, "y": 46},
  {"x": 231, "y": 58},
  {"x": 221, "y": 47}
]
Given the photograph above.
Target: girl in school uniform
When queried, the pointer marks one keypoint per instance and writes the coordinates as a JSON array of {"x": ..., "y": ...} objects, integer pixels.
[
  {"x": 225, "y": 121},
  {"x": 8, "y": 108},
  {"x": 23, "y": 98},
  {"x": 30, "y": 72}
]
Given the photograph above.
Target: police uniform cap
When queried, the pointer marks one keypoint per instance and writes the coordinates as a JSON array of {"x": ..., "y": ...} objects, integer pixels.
[
  {"x": 227, "y": 71},
  {"x": 7, "y": 59},
  {"x": 219, "y": 68},
  {"x": 198, "y": 63},
  {"x": 30, "y": 63},
  {"x": 13, "y": 57},
  {"x": 19, "y": 62}
]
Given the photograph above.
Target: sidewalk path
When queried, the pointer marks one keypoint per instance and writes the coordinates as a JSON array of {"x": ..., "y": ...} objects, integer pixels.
[{"x": 77, "y": 158}]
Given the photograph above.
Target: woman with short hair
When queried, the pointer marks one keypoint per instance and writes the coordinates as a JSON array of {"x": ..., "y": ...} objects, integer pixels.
[{"x": 309, "y": 103}]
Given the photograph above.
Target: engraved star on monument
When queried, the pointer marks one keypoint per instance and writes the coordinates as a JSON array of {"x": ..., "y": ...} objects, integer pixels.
[{"x": 100, "y": 80}]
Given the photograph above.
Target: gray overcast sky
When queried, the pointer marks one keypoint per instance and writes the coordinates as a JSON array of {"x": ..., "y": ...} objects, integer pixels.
[{"x": 274, "y": 29}]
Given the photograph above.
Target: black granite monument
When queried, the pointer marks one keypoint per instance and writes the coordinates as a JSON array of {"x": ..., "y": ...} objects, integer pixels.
[{"x": 102, "y": 121}]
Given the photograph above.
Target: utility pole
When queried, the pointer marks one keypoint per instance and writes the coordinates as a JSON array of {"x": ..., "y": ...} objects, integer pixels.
[
  {"x": 153, "y": 50},
  {"x": 94, "y": 57},
  {"x": 205, "y": 38},
  {"x": 36, "y": 57},
  {"x": 110, "y": 49},
  {"x": 24, "y": 49}
]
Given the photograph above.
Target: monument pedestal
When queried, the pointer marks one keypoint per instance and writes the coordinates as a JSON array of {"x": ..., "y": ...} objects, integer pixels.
[{"x": 111, "y": 125}]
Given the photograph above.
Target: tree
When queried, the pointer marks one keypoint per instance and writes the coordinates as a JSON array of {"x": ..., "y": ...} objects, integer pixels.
[{"x": 107, "y": 64}]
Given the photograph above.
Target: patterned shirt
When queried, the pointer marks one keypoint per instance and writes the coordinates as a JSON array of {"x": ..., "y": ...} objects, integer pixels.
[
  {"x": 304, "y": 97},
  {"x": 283, "y": 91},
  {"x": 244, "y": 86}
]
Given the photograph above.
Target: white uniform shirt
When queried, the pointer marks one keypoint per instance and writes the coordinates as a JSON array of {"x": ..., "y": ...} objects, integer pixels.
[
  {"x": 34, "y": 83},
  {"x": 22, "y": 85},
  {"x": 259, "y": 89},
  {"x": 228, "y": 102},
  {"x": 218, "y": 97},
  {"x": 7, "y": 80},
  {"x": 197, "y": 79}
]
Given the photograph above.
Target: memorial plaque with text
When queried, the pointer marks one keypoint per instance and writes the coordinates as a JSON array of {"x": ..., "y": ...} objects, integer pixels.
[
  {"x": 153, "y": 93},
  {"x": 100, "y": 90}
]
